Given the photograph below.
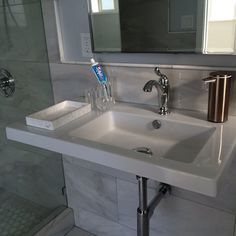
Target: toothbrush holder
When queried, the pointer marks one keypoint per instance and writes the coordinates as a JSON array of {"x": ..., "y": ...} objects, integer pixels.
[{"x": 101, "y": 97}]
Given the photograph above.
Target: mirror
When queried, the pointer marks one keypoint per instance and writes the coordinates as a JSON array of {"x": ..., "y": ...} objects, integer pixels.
[{"x": 172, "y": 26}]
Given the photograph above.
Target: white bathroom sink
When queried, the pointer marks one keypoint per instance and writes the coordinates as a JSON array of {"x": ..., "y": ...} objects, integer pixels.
[
  {"x": 173, "y": 140},
  {"x": 186, "y": 151}
]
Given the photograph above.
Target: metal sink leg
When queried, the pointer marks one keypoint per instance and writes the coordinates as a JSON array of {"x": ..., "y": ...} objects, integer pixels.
[{"x": 145, "y": 210}]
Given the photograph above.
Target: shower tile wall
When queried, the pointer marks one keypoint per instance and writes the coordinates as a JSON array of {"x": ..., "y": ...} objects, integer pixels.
[
  {"x": 23, "y": 39},
  {"x": 32, "y": 173},
  {"x": 182, "y": 213}
]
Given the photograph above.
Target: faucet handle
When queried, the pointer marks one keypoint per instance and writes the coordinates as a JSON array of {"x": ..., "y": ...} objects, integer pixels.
[
  {"x": 163, "y": 78},
  {"x": 157, "y": 71},
  {"x": 164, "y": 81}
]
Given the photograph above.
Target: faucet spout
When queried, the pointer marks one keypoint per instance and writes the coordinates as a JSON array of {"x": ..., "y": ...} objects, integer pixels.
[
  {"x": 150, "y": 84},
  {"x": 163, "y": 87}
]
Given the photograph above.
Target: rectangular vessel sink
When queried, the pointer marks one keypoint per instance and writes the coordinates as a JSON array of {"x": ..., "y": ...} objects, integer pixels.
[
  {"x": 173, "y": 140},
  {"x": 186, "y": 151}
]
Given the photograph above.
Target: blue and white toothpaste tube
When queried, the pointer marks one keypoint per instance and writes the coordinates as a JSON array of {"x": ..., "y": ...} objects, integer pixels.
[
  {"x": 101, "y": 77},
  {"x": 98, "y": 71}
]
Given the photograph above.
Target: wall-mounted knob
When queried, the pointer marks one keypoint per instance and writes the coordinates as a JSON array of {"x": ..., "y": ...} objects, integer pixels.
[{"x": 7, "y": 83}]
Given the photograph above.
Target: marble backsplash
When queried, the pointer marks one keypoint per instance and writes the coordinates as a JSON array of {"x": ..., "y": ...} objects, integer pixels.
[{"x": 187, "y": 88}]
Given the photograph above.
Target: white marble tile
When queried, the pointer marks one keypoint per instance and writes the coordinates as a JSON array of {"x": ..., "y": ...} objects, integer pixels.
[
  {"x": 78, "y": 232},
  {"x": 107, "y": 171},
  {"x": 187, "y": 88},
  {"x": 186, "y": 92},
  {"x": 174, "y": 216},
  {"x": 90, "y": 190},
  {"x": 59, "y": 226},
  {"x": 100, "y": 226},
  {"x": 128, "y": 202},
  {"x": 184, "y": 218},
  {"x": 225, "y": 199},
  {"x": 71, "y": 81}
]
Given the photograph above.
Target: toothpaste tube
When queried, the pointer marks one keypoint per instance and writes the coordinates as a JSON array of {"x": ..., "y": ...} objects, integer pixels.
[
  {"x": 101, "y": 77},
  {"x": 99, "y": 73}
]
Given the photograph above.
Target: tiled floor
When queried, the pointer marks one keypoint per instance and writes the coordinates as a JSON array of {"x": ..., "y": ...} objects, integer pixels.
[
  {"x": 78, "y": 232},
  {"x": 18, "y": 215}
]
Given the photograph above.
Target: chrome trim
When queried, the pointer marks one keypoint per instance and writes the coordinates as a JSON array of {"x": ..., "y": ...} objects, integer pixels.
[{"x": 7, "y": 83}]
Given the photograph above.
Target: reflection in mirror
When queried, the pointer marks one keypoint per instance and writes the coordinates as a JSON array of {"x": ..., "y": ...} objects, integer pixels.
[
  {"x": 105, "y": 21},
  {"x": 191, "y": 26},
  {"x": 220, "y": 31},
  {"x": 146, "y": 26}
]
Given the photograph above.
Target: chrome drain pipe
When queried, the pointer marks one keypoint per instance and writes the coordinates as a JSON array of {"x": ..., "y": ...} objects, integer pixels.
[{"x": 145, "y": 210}]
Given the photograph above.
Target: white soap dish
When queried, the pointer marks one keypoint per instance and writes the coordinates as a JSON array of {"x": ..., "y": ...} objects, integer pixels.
[{"x": 58, "y": 115}]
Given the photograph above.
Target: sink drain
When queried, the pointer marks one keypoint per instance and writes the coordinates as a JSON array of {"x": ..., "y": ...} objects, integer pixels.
[
  {"x": 156, "y": 124},
  {"x": 144, "y": 150}
]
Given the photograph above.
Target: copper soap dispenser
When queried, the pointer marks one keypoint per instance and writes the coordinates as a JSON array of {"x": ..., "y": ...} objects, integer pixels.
[{"x": 219, "y": 96}]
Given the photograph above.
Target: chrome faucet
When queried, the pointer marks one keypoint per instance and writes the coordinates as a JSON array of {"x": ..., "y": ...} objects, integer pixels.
[{"x": 163, "y": 87}]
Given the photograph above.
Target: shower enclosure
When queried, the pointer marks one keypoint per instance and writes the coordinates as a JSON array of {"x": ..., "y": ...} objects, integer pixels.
[{"x": 31, "y": 179}]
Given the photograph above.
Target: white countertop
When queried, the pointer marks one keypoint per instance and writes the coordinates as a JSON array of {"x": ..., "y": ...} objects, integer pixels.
[{"x": 203, "y": 175}]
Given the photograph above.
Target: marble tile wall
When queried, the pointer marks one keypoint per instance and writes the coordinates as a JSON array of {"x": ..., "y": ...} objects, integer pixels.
[
  {"x": 100, "y": 226},
  {"x": 174, "y": 215},
  {"x": 61, "y": 225},
  {"x": 187, "y": 89},
  {"x": 78, "y": 232},
  {"x": 224, "y": 201},
  {"x": 92, "y": 191},
  {"x": 22, "y": 33}
]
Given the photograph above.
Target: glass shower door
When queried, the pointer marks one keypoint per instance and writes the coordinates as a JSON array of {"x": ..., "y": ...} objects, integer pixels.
[{"x": 31, "y": 179}]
